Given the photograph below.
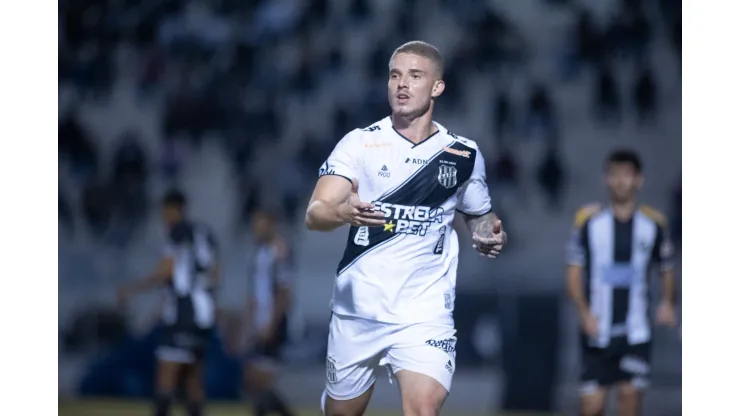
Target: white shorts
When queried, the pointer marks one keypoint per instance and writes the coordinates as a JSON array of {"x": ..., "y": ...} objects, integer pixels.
[{"x": 357, "y": 347}]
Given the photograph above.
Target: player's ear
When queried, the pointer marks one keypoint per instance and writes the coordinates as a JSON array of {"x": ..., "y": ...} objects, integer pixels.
[{"x": 439, "y": 86}]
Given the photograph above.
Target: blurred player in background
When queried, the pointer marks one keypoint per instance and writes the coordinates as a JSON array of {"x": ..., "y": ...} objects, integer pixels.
[
  {"x": 398, "y": 183},
  {"x": 189, "y": 271},
  {"x": 610, "y": 258},
  {"x": 267, "y": 315}
]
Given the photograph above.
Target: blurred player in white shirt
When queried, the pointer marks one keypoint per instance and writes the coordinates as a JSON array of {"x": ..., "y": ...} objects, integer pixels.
[{"x": 398, "y": 183}]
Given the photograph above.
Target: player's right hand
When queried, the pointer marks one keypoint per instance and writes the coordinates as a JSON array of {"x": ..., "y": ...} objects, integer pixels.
[
  {"x": 590, "y": 325},
  {"x": 358, "y": 213}
]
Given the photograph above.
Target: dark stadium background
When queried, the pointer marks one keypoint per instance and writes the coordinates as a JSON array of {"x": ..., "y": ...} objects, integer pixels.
[{"x": 239, "y": 102}]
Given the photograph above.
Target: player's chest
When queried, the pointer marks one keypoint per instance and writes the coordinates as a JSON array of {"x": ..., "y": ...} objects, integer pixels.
[{"x": 398, "y": 167}]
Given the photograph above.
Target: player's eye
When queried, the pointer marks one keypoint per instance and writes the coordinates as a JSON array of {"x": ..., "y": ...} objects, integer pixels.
[{"x": 416, "y": 76}]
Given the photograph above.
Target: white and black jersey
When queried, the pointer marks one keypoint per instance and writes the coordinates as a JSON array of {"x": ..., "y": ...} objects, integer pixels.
[
  {"x": 406, "y": 270},
  {"x": 189, "y": 297},
  {"x": 272, "y": 271},
  {"x": 617, "y": 259}
]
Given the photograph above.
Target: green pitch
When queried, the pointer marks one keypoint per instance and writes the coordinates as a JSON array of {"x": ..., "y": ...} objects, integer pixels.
[{"x": 130, "y": 408}]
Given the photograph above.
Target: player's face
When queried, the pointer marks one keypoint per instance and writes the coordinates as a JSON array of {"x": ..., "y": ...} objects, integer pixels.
[
  {"x": 623, "y": 181},
  {"x": 412, "y": 84},
  {"x": 171, "y": 214}
]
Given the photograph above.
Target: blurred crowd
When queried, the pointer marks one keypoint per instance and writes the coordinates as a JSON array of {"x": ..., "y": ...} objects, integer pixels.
[{"x": 228, "y": 70}]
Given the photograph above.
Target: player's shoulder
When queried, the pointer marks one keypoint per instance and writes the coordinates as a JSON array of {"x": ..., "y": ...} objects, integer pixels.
[
  {"x": 586, "y": 212},
  {"x": 464, "y": 141},
  {"x": 374, "y": 135},
  {"x": 654, "y": 215}
]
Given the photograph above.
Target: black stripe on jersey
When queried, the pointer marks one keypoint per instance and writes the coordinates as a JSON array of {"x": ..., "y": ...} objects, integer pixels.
[
  {"x": 421, "y": 189},
  {"x": 623, "y": 247}
]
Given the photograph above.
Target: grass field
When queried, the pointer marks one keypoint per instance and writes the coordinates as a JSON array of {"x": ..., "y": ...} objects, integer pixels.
[{"x": 128, "y": 408}]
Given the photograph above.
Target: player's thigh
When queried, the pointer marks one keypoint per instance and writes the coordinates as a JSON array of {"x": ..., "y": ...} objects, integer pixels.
[
  {"x": 193, "y": 381},
  {"x": 423, "y": 361},
  {"x": 353, "y": 354},
  {"x": 593, "y": 403},
  {"x": 167, "y": 377},
  {"x": 351, "y": 407},
  {"x": 421, "y": 395}
]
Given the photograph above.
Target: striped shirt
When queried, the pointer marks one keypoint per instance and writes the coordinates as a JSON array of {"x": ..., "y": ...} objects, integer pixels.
[
  {"x": 617, "y": 258},
  {"x": 272, "y": 270},
  {"x": 189, "y": 299}
]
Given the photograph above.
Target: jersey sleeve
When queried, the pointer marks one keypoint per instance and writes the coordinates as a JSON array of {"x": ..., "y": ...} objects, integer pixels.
[
  {"x": 577, "y": 247},
  {"x": 343, "y": 159},
  {"x": 284, "y": 270},
  {"x": 474, "y": 198},
  {"x": 664, "y": 252}
]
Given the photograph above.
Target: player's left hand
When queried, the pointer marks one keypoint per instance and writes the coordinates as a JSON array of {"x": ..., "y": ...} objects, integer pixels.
[
  {"x": 666, "y": 315},
  {"x": 491, "y": 246}
]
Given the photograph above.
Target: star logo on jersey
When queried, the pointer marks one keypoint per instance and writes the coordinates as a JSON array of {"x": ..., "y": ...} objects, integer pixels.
[
  {"x": 389, "y": 226},
  {"x": 384, "y": 172}
]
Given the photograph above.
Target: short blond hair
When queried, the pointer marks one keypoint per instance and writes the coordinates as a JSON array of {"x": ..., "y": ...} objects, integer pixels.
[{"x": 421, "y": 48}]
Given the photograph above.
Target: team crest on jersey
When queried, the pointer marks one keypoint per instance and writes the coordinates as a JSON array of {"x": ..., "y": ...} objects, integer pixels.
[{"x": 447, "y": 176}]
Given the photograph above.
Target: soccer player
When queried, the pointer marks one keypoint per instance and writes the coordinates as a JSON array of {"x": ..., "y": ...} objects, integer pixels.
[
  {"x": 268, "y": 307},
  {"x": 189, "y": 272},
  {"x": 398, "y": 183},
  {"x": 610, "y": 259}
]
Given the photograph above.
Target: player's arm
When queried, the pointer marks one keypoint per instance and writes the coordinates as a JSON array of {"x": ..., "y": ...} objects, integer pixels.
[
  {"x": 664, "y": 255},
  {"x": 214, "y": 270},
  {"x": 576, "y": 254},
  {"x": 324, "y": 211},
  {"x": 475, "y": 206},
  {"x": 160, "y": 276},
  {"x": 335, "y": 200},
  {"x": 284, "y": 277}
]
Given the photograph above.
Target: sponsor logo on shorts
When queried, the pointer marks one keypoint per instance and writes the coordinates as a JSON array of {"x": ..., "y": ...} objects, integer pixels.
[
  {"x": 331, "y": 370},
  {"x": 446, "y": 345},
  {"x": 449, "y": 366},
  {"x": 634, "y": 365}
]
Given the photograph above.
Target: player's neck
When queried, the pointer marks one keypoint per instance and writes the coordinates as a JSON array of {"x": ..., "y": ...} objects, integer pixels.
[
  {"x": 415, "y": 129},
  {"x": 624, "y": 210}
]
